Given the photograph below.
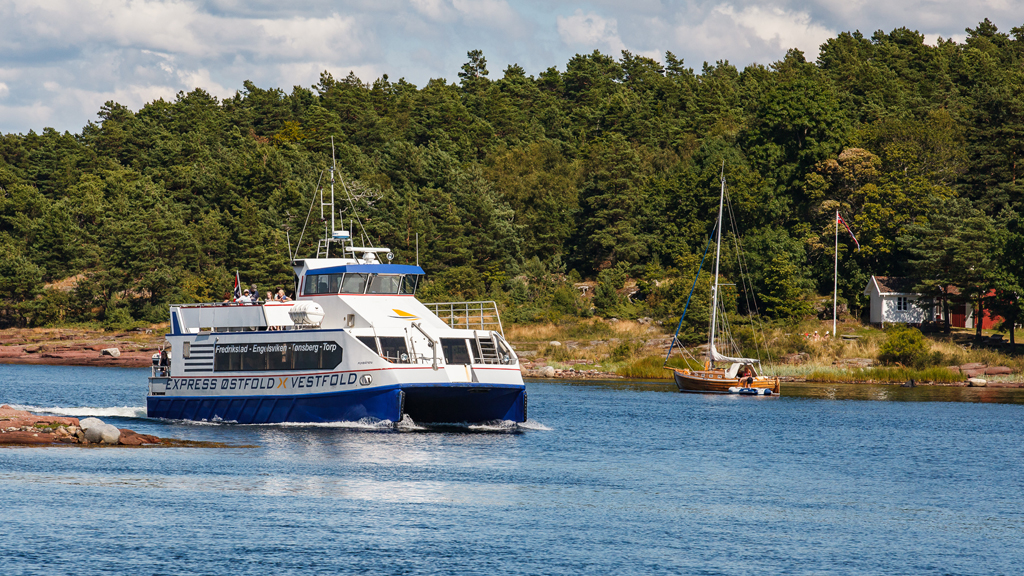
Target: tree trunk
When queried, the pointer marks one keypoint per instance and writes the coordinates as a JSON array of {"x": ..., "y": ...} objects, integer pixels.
[
  {"x": 979, "y": 317},
  {"x": 945, "y": 312}
]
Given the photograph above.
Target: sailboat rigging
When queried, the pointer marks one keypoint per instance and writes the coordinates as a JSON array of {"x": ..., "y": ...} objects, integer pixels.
[{"x": 743, "y": 375}]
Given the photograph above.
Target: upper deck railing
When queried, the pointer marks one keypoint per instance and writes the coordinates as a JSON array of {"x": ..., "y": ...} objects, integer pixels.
[{"x": 473, "y": 315}]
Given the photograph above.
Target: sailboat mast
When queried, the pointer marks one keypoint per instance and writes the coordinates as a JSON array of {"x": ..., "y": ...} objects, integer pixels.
[{"x": 718, "y": 254}]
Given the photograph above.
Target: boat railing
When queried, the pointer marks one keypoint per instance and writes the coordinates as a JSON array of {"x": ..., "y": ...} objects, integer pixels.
[
  {"x": 482, "y": 315},
  {"x": 235, "y": 316}
]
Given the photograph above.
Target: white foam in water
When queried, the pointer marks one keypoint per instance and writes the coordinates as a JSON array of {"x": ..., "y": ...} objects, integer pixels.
[
  {"x": 364, "y": 424},
  {"x": 113, "y": 411},
  {"x": 534, "y": 425},
  {"x": 407, "y": 423}
]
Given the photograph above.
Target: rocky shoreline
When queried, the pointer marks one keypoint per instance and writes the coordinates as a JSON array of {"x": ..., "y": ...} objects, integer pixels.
[
  {"x": 78, "y": 347},
  {"x": 19, "y": 427}
]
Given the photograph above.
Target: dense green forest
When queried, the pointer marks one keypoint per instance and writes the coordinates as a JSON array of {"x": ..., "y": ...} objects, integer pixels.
[{"x": 519, "y": 186}]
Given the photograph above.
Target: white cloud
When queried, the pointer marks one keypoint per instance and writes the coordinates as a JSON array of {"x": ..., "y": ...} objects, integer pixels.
[
  {"x": 433, "y": 9},
  {"x": 590, "y": 31},
  {"x": 780, "y": 28},
  {"x": 135, "y": 50},
  {"x": 495, "y": 12}
]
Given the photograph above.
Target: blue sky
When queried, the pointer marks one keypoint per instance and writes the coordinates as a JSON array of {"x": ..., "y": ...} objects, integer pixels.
[{"x": 61, "y": 59}]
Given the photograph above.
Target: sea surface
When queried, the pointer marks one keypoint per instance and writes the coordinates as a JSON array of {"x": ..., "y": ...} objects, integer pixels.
[{"x": 605, "y": 478}]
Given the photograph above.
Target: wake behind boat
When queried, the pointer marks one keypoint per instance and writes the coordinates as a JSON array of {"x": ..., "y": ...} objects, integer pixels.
[
  {"x": 741, "y": 375},
  {"x": 354, "y": 345}
]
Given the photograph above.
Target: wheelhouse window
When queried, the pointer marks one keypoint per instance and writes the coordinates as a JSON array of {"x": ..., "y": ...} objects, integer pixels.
[
  {"x": 360, "y": 283},
  {"x": 384, "y": 284},
  {"x": 354, "y": 284},
  {"x": 409, "y": 284}
]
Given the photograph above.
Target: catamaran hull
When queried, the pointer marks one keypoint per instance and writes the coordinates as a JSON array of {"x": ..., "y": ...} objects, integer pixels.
[
  {"x": 697, "y": 384},
  {"x": 424, "y": 403}
]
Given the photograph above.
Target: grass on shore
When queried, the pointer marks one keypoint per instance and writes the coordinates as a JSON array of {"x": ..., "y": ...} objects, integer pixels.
[{"x": 633, "y": 350}]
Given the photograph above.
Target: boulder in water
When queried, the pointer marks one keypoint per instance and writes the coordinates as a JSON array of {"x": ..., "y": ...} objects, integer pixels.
[{"x": 98, "y": 432}]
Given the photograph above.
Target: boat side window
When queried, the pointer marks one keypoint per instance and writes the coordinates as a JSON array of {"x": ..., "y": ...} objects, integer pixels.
[
  {"x": 455, "y": 350},
  {"x": 323, "y": 284},
  {"x": 276, "y": 356},
  {"x": 370, "y": 342},
  {"x": 254, "y": 360},
  {"x": 409, "y": 282},
  {"x": 354, "y": 283},
  {"x": 315, "y": 355},
  {"x": 384, "y": 284},
  {"x": 393, "y": 349}
]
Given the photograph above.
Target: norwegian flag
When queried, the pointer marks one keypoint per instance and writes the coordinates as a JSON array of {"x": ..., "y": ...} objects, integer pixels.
[
  {"x": 238, "y": 286},
  {"x": 839, "y": 220}
]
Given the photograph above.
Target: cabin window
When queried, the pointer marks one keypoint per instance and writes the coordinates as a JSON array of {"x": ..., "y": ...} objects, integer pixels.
[
  {"x": 393, "y": 349},
  {"x": 455, "y": 351},
  {"x": 370, "y": 342},
  {"x": 384, "y": 284},
  {"x": 278, "y": 356},
  {"x": 901, "y": 303},
  {"x": 354, "y": 284}
]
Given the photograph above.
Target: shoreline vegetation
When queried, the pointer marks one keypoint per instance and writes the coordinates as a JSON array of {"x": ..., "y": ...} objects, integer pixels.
[{"x": 596, "y": 348}]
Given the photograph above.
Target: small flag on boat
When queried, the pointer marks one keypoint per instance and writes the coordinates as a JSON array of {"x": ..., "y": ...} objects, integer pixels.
[
  {"x": 238, "y": 286},
  {"x": 839, "y": 220}
]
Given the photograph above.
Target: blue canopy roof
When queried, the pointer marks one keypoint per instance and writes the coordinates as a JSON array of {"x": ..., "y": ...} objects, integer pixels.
[{"x": 369, "y": 269}]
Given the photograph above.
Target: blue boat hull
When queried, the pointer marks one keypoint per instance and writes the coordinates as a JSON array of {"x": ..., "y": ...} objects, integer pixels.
[{"x": 424, "y": 403}]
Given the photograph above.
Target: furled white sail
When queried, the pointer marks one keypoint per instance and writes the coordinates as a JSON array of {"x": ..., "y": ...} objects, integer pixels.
[{"x": 719, "y": 357}]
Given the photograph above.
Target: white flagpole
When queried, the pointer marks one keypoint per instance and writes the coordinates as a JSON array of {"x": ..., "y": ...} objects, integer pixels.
[{"x": 835, "y": 278}]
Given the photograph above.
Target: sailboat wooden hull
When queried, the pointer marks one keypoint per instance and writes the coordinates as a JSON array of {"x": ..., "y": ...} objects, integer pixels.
[{"x": 717, "y": 382}]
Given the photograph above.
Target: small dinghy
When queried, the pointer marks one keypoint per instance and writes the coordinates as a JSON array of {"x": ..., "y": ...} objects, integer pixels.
[{"x": 750, "y": 391}]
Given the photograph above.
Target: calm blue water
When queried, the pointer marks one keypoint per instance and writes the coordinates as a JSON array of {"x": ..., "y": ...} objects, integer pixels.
[{"x": 606, "y": 479}]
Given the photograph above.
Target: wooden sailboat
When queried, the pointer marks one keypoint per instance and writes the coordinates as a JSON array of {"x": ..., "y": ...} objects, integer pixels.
[{"x": 736, "y": 375}]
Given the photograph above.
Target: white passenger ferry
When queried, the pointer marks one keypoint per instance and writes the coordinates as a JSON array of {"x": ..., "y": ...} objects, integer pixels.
[{"x": 354, "y": 345}]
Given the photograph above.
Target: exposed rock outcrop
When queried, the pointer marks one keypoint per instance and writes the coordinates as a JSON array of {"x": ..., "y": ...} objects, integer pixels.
[{"x": 22, "y": 427}]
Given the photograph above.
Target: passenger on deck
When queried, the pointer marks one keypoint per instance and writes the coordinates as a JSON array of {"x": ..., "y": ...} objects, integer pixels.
[
  {"x": 270, "y": 296},
  {"x": 281, "y": 296},
  {"x": 244, "y": 298}
]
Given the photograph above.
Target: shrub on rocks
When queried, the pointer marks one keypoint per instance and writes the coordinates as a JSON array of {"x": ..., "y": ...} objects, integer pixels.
[{"x": 903, "y": 345}]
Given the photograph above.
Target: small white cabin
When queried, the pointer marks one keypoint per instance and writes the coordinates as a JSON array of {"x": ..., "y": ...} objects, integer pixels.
[{"x": 894, "y": 302}]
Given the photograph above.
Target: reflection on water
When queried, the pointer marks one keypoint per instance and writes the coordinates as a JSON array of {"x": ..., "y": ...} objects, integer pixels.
[
  {"x": 834, "y": 391},
  {"x": 898, "y": 393}
]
